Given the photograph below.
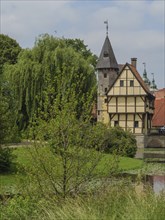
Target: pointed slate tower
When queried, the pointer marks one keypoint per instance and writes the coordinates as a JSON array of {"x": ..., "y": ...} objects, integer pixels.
[
  {"x": 107, "y": 70},
  {"x": 107, "y": 57}
]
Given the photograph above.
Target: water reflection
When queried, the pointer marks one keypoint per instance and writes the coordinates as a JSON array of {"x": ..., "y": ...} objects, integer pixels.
[{"x": 157, "y": 182}]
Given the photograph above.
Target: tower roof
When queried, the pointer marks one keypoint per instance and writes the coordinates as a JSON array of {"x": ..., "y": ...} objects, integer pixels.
[
  {"x": 107, "y": 57},
  {"x": 145, "y": 78},
  {"x": 153, "y": 86}
]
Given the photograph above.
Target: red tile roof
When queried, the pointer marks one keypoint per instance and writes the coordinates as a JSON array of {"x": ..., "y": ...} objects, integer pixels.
[
  {"x": 159, "y": 114},
  {"x": 160, "y": 93}
]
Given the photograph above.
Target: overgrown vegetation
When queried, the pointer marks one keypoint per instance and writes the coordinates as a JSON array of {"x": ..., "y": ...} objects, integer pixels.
[
  {"x": 120, "y": 142},
  {"x": 115, "y": 200},
  {"x": 6, "y": 160}
]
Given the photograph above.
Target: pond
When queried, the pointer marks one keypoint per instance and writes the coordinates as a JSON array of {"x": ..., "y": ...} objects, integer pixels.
[{"x": 157, "y": 182}]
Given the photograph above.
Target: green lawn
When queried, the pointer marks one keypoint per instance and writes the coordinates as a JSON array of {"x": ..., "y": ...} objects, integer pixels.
[{"x": 8, "y": 181}]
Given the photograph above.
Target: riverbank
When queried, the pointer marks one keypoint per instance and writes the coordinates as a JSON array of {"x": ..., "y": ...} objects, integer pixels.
[{"x": 118, "y": 200}]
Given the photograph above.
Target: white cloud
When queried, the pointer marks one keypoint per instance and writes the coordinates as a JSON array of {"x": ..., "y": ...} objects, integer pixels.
[
  {"x": 27, "y": 19},
  {"x": 136, "y": 28}
]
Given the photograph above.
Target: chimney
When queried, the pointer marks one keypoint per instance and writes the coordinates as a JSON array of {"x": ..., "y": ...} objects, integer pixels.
[{"x": 133, "y": 62}]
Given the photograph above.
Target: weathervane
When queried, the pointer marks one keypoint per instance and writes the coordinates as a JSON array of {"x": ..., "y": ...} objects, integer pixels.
[
  {"x": 106, "y": 22},
  {"x": 144, "y": 65},
  {"x": 152, "y": 76}
]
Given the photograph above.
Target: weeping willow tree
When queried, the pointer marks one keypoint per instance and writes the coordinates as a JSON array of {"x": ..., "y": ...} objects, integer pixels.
[{"x": 53, "y": 70}]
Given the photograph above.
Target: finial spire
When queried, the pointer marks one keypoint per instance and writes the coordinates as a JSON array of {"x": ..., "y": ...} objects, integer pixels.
[
  {"x": 153, "y": 85},
  {"x": 152, "y": 76},
  {"x": 144, "y": 65},
  {"x": 106, "y": 22},
  {"x": 145, "y": 78}
]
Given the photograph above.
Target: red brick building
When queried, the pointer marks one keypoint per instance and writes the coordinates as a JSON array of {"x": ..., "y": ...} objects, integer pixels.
[{"x": 158, "y": 119}]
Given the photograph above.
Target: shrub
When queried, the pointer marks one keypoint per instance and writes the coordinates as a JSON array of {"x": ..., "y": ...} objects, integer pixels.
[
  {"x": 120, "y": 142},
  {"x": 6, "y": 160}
]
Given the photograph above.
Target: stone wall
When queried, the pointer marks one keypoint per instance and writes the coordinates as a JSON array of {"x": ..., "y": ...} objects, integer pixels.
[{"x": 140, "y": 140}]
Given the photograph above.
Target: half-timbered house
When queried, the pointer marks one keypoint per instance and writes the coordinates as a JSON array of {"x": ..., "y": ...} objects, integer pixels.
[{"x": 124, "y": 99}]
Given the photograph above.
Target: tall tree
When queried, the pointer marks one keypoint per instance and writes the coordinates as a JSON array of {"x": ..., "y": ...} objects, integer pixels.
[
  {"x": 8, "y": 128},
  {"x": 9, "y": 50},
  {"x": 52, "y": 67},
  {"x": 71, "y": 157}
]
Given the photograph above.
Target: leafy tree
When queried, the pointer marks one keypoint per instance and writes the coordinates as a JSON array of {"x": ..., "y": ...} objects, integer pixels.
[
  {"x": 9, "y": 50},
  {"x": 69, "y": 158},
  {"x": 52, "y": 67},
  {"x": 121, "y": 142},
  {"x": 8, "y": 129},
  {"x": 79, "y": 47}
]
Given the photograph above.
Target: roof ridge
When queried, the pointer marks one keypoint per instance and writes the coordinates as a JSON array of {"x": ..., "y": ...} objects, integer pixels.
[{"x": 138, "y": 76}]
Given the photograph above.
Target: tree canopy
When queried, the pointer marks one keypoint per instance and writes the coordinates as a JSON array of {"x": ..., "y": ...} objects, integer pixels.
[
  {"x": 9, "y": 50},
  {"x": 54, "y": 69}
]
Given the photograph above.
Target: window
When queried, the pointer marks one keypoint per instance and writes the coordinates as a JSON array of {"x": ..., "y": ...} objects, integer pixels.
[
  {"x": 98, "y": 112},
  {"x": 121, "y": 83},
  {"x": 116, "y": 123},
  {"x": 105, "y": 75},
  {"x": 136, "y": 124},
  {"x": 105, "y": 53},
  {"x": 131, "y": 83},
  {"x": 105, "y": 89},
  {"x": 105, "y": 100}
]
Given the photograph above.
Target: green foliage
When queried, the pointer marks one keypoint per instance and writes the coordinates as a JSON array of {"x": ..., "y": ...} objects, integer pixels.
[
  {"x": 53, "y": 67},
  {"x": 71, "y": 159},
  {"x": 79, "y": 47},
  {"x": 6, "y": 160},
  {"x": 121, "y": 142},
  {"x": 8, "y": 128},
  {"x": 9, "y": 50},
  {"x": 19, "y": 208},
  {"x": 25, "y": 157},
  {"x": 116, "y": 200}
]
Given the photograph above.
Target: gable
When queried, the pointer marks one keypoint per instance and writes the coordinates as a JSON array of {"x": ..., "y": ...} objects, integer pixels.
[{"x": 127, "y": 83}]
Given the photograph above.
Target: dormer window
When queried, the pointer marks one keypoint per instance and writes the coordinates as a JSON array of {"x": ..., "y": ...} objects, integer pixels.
[{"x": 105, "y": 53}]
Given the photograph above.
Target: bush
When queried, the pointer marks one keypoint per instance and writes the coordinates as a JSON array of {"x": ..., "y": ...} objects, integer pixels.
[
  {"x": 120, "y": 142},
  {"x": 6, "y": 160}
]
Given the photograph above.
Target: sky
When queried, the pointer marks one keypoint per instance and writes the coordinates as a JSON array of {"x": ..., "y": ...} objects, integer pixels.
[{"x": 136, "y": 28}]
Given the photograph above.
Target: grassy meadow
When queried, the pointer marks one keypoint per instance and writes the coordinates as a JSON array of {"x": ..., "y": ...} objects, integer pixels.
[
  {"x": 24, "y": 158},
  {"x": 107, "y": 198}
]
